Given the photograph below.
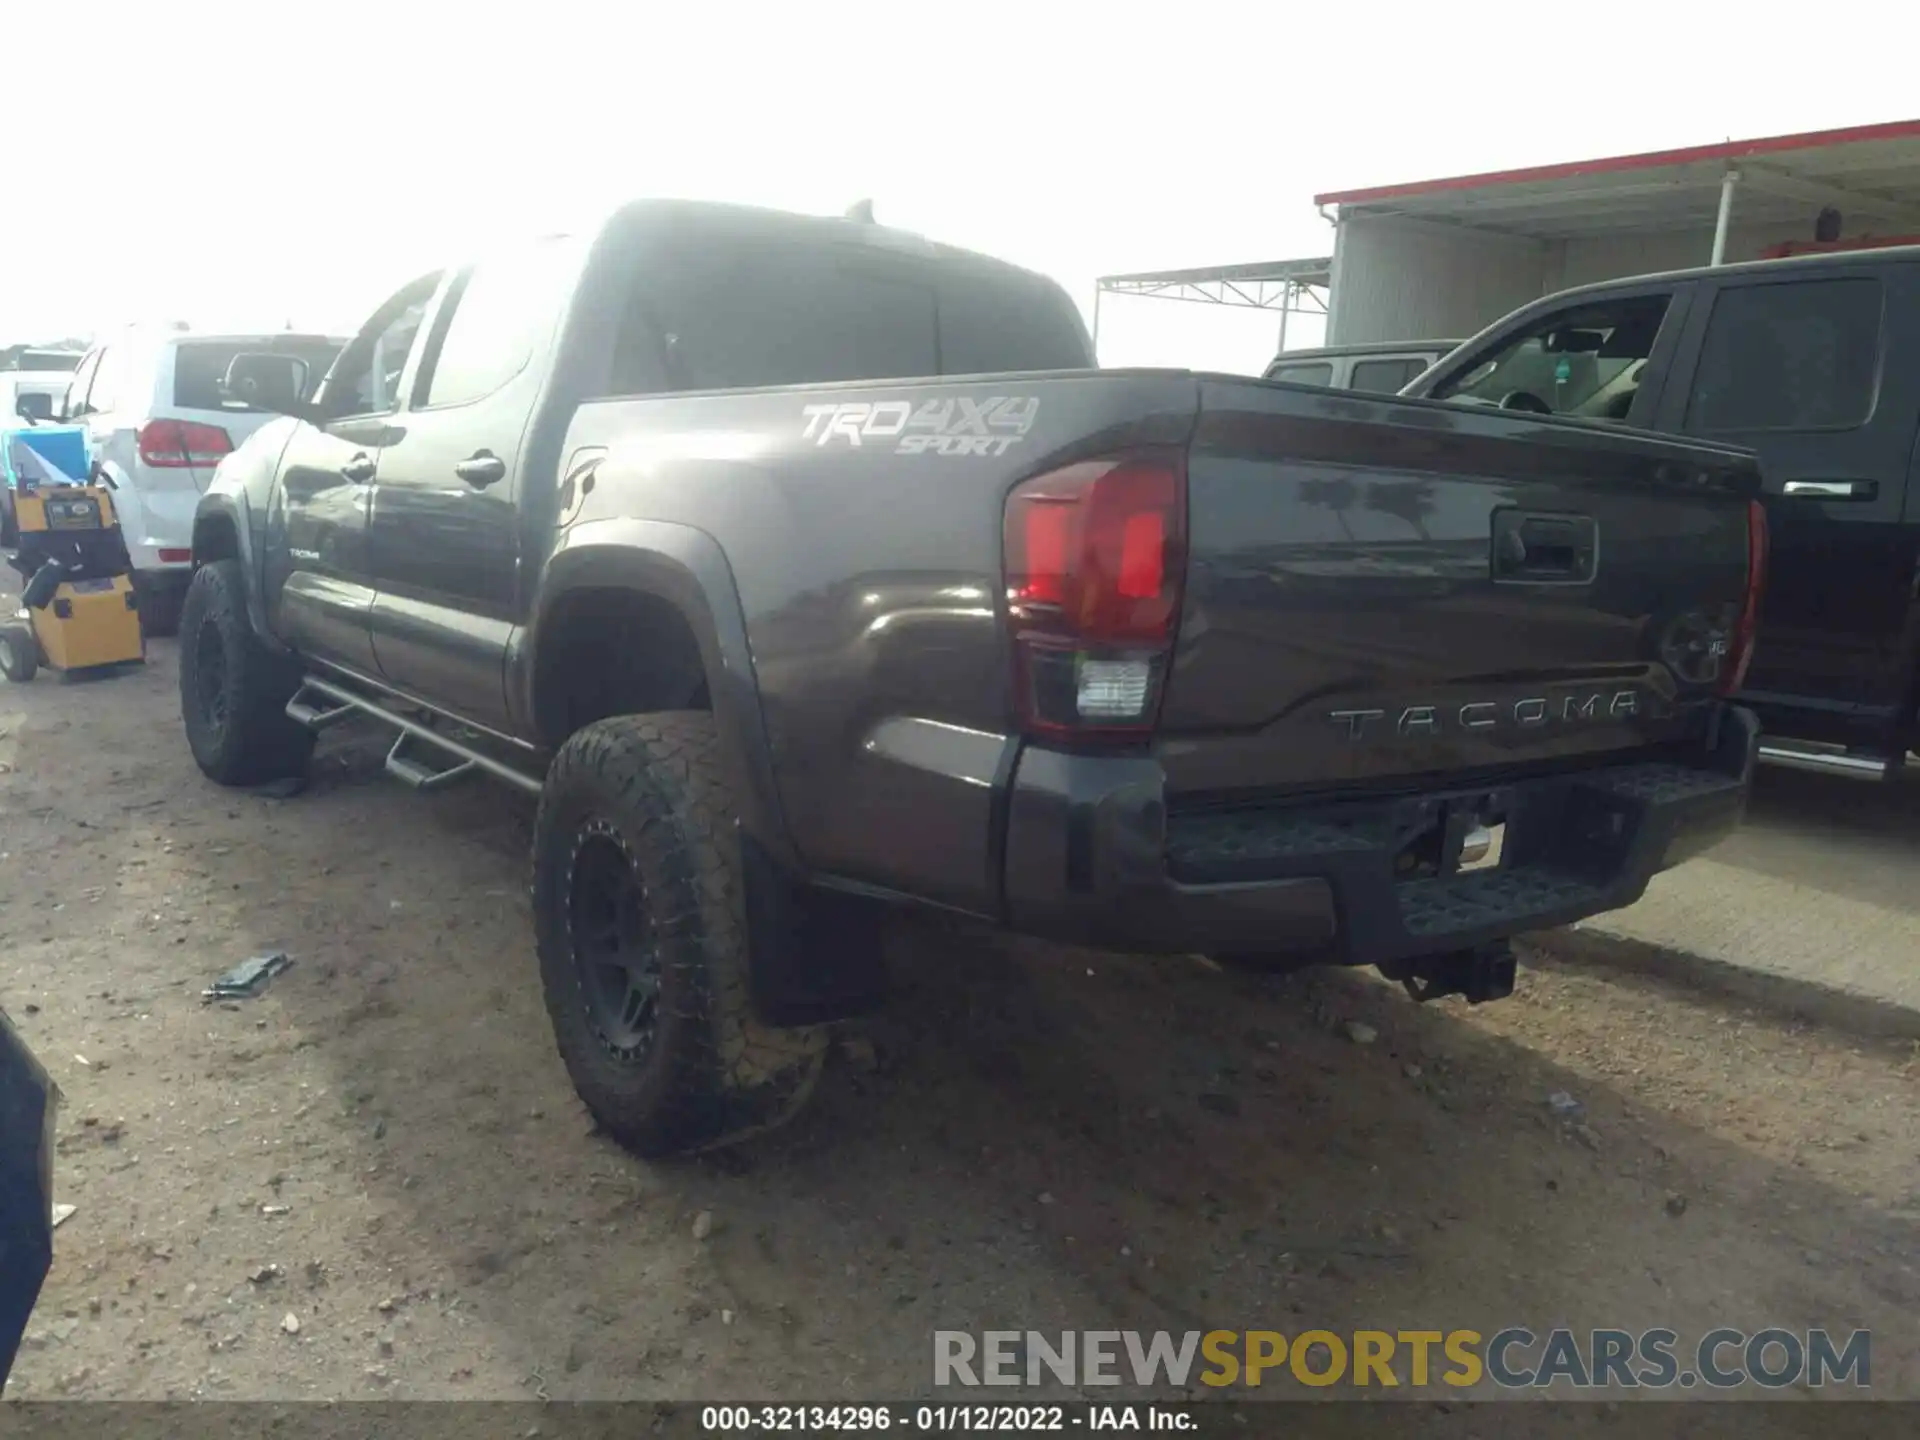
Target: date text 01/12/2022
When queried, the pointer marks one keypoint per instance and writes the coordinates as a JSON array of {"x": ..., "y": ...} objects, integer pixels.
[{"x": 938, "y": 1419}]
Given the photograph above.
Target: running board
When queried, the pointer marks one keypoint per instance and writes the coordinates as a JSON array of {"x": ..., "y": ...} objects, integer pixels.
[
  {"x": 314, "y": 717},
  {"x": 1828, "y": 762},
  {"x": 405, "y": 767},
  {"x": 416, "y": 774}
]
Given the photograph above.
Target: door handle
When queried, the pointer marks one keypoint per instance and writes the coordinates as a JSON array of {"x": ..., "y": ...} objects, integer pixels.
[
  {"x": 481, "y": 469},
  {"x": 1833, "y": 489},
  {"x": 358, "y": 470}
]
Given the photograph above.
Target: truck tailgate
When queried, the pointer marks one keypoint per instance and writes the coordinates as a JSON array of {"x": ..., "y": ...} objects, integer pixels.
[{"x": 1382, "y": 589}]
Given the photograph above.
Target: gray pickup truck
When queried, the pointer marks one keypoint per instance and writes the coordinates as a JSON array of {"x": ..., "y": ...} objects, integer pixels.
[{"x": 807, "y": 570}]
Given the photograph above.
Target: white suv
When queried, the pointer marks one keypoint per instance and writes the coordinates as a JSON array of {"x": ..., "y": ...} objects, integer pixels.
[{"x": 157, "y": 424}]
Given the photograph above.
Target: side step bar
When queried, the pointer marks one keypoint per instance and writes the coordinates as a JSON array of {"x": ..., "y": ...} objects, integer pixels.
[
  {"x": 1829, "y": 762},
  {"x": 401, "y": 765}
]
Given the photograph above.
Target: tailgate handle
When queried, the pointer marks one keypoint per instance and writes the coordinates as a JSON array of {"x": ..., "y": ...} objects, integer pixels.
[
  {"x": 1535, "y": 549},
  {"x": 1833, "y": 489}
]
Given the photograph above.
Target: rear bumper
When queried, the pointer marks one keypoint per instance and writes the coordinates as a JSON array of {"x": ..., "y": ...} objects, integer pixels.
[{"x": 1095, "y": 857}]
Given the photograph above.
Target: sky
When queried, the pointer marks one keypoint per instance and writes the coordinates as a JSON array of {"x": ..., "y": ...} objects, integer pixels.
[{"x": 250, "y": 166}]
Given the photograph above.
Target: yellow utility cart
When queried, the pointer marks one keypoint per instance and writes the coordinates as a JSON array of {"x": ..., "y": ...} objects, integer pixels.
[{"x": 77, "y": 610}]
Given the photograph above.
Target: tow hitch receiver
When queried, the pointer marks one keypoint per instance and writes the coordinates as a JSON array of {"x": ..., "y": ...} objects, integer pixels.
[{"x": 1482, "y": 973}]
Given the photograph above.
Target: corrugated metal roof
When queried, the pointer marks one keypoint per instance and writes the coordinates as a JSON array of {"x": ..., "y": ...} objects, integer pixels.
[{"x": 1870, "y": 173}]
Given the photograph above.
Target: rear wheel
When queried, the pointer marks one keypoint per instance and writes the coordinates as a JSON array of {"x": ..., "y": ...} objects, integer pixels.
[
  {"x": 19, "y": 654},
  {"x": 233, "y": 690},
  {"x": 643, "y": 941},
  {"x": 161, "y": 605}
]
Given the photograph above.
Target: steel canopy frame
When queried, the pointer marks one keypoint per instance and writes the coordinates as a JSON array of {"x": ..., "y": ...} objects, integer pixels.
[{"x": 1292, "y": 287}]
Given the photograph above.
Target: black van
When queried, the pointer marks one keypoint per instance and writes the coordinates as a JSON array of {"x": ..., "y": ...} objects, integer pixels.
[{"x": 1814, "y": 362}]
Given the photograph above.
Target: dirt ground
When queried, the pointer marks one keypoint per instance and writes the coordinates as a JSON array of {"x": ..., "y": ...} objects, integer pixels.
[{"x": 375, "y": 1182}]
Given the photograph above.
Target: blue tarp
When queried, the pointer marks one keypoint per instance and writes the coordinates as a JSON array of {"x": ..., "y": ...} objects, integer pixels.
[{"x": 44, "y": 455}]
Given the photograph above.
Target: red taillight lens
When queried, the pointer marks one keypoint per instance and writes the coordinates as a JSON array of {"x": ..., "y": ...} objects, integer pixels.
[
  {"x": 1746, "y": 629},
  {"x": 1095, "y": 557},
  {"x": 177, "y": 444}
]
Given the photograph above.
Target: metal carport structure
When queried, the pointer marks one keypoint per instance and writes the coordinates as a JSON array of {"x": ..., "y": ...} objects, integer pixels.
[
  {"x": 1290, "y": 287},
  {"x": 1449, "y": 256}
]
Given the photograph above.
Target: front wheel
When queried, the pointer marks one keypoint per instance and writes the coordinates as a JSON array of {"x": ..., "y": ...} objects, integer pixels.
[
  {"x": 642, "y": 937},
  {"x": 233, "y": 690},
  {"x": 19, "y": 654}
]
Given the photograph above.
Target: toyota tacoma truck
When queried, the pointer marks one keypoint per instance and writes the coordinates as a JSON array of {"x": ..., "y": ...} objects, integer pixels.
[{"x": 806, "y": 570}]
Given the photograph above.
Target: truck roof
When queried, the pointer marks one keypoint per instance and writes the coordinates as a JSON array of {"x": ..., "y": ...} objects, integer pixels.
[{"x": 777, "y": 225}]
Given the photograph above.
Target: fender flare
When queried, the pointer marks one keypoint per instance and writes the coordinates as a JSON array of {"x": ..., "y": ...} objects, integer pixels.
[
  {"x": 232, "y": 508},
  {"x": 686, "y": 568}
]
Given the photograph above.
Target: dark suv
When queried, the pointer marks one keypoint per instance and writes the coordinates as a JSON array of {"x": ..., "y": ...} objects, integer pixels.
[{"x": 1814, "y": 363}]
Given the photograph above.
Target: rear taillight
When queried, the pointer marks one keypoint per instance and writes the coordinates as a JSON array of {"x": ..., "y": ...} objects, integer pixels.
[
  {"x": 1095, "y": 558},
  {"x": 1740, "y": 649},
  {"x": 176, "y": 444}
]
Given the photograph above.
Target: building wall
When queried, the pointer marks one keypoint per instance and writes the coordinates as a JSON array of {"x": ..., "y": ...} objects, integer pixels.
[
  {"x": 1583, "y": 262},
  {"x": 1411, "y": 280}
]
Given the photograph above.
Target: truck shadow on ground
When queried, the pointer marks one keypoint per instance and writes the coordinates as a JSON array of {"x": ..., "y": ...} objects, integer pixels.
[{"x": 1030, "y": 1137}]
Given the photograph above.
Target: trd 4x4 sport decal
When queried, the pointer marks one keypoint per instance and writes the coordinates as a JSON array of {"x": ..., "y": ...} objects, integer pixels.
[{"x": 961, "y": 425}]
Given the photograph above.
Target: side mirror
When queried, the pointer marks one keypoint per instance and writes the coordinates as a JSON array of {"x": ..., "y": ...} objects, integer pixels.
[
  {"x": 261, "y": 381},
  {"x": 34, "y": 407}
]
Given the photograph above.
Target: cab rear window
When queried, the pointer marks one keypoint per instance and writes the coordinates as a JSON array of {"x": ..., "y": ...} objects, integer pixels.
[{"x": 199, "y": 365}]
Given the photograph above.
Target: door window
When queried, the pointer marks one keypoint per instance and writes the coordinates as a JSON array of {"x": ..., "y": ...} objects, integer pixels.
[
  {"x": 1586, "y": 361},
  {"x": 1789, "y": 356},
  {"x": 366, "y": 378},
  {"x": 1321, "y": 374},
  {"x": 74, "y": 404},
  {"x": 498, "y": 311},
  {"x": 104, "y": 393},
  {"x": 1384, "y": 377}
]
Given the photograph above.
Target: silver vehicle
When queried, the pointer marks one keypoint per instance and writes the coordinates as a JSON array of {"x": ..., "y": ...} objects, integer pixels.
[
  {"x": 1379, "y": 369},
  {"x": 157, "y": 424}
]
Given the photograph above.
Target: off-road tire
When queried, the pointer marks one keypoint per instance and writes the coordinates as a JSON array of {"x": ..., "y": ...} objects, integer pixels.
[
  {"x": 233, "y": 690},
  {"x": 655, "y": 787},
  {"x": 161, "y": 606},
  {"x": 19, "y": 654}
]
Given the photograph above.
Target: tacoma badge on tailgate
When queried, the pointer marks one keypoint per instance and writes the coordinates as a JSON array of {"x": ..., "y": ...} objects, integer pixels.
[{"x": 1491, "y": 714}]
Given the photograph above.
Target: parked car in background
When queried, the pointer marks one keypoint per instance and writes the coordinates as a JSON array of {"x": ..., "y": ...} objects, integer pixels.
[
  {"x": 158, "y": 423},
  {"x": 1814, "y": 363},
  {"x": 1382, "y": 369},
  {"x": 54, "y": 358}
]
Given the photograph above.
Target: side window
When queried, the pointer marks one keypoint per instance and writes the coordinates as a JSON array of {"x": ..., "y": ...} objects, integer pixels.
[
  {"x": 495, "y": 318},
  {"x": 104, "y": 394},
  {"x": 365, "y": 380},
  {"x": 1585, "y": 361},
  {"x": 74, "y": 404},
  {"x": 1789, "y": 356},
  {"x": 1383, "y": 377},
  {"x": 1321, "y": 374}
]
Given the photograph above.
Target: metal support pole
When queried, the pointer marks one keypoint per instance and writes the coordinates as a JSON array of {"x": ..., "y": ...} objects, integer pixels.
[
  {"x": 1286, "y": 309},
  {"x": 1097, "y": 288},
  {"x": 1728, "y": 183}
]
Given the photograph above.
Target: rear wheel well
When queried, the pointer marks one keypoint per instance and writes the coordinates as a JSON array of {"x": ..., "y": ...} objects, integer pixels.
[{"x": 606, "y": 651}]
